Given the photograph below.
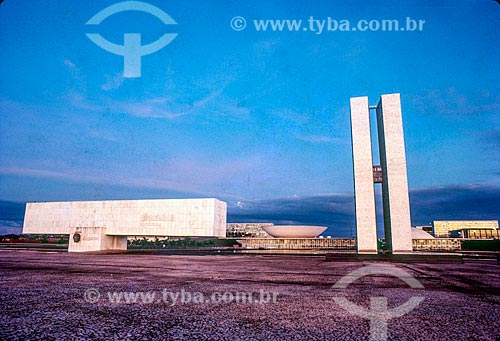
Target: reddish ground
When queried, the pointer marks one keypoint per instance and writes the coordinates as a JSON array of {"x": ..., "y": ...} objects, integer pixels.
[{"x": 43, "y": 298}]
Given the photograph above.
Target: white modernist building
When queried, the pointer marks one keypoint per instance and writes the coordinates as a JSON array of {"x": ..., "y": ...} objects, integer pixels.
[
  {"x": 391, "y": 173},
  {"x": 294, "y": 231},
  {"x": 105, "y": 225}
]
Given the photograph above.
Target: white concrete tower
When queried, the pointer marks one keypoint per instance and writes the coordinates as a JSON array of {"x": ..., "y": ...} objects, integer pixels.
[
  {"x": 364, "y": 195},
  {"x": 393, "y": 177},
  {"x": 396, "y": 202}
]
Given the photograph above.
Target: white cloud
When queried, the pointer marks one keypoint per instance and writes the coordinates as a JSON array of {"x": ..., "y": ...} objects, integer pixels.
[
  {"x": 75, "y": 72},
  {"x": 102, "y": 135},
  {"x": 10, "y": 227},
  {"x": 454, "y": 104},
  {"x": 79, "y": 101},
  {"x": 214, "y": 103},
  {"x": 201, "y": 175},
  {"x": 70, "y": 64},
  {"x": 78, "y": 175},
  {"x": 321, "y": 139},
  {"x": 291, "y": 115},
  {"x": 113, "y": 82}
]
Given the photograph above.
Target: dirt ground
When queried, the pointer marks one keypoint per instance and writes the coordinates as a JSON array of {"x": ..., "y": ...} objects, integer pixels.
[{"x": 63, "y": 296}]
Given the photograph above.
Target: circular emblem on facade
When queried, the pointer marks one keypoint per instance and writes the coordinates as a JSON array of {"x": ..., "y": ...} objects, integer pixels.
[{"x": 76, "y": 237}]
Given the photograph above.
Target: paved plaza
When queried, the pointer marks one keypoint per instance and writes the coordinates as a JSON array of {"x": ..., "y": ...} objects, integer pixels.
[{"x": 45, "y": 295}]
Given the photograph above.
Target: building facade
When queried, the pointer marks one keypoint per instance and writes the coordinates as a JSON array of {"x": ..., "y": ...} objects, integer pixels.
[
  {"x": 442, "y": 228},
  {"x": 105, "y": 225},
  {"x": 476, "y": 233},
  {"x": 437, "y": 244},
  {"x": 247, "y": 230},
  {"x": 299, "y": 243}
]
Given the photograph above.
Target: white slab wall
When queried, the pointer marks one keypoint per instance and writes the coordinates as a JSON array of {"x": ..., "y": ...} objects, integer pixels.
[{"x": 162, "y": 217}]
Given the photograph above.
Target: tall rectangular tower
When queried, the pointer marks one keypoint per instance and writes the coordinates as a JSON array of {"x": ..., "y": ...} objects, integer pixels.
[
  {"x": 397, "y": 224},
  {"x": 394, "y": 180},
  {"x": 364, "y": 195}
]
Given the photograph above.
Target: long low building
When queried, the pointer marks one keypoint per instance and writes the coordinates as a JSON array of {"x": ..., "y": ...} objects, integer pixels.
[
  {"x": 298, "y": 243},
  {"x": 442, "y": 228},
  {"x": 476, "y": 233},
  {"x": 434, "y": 244},
  {"x": 105, "y": 225}
]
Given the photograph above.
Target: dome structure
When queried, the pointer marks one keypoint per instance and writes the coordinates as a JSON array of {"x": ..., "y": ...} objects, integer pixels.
[
  {"x": 294, "y": 231},
  {"x": 420, "y": 234}
]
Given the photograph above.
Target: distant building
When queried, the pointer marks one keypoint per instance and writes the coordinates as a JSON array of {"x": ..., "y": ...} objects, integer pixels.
[
  {"x": 299, "y": 243},
  {"x": 437, "y": 244},
  {"x": 247, "y": 230},
  {"x": 148, "y": 238},
  {"x": 417, "y": 233},
  {"x": 442, "y": 228},
  {"x": 476, "y": 233},
  {"x": 426, "y": 228}
]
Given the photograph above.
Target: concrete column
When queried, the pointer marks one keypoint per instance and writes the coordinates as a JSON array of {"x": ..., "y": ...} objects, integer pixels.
[
  {"x": 396, "y": 202},
  {"x": 366, "y": 226}
]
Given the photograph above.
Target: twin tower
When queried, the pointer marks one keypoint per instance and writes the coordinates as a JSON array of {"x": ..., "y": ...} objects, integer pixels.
[{"x": 391, "y": 173}]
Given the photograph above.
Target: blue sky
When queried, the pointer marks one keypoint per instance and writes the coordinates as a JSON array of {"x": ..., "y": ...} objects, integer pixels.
[{"x": 260, "y": 118}]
